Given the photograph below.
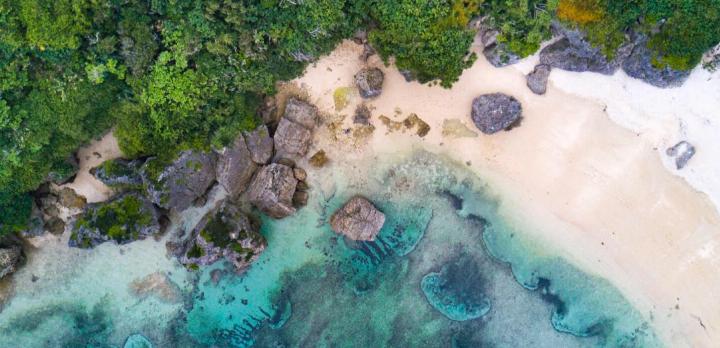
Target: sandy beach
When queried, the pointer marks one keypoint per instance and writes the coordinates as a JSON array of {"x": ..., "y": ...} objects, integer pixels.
[
  {"x": 585, "y": 186},
  {"x": 91, "y": 156}
]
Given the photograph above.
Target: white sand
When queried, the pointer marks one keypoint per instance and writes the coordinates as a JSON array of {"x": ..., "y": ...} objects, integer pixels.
[
  {"x": 594, "y": 191},
  {"x": 90, "y": 156}
]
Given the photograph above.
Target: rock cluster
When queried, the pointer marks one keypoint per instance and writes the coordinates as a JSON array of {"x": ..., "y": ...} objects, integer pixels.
[
  {"x": 494, "y": 112},
  {"x": 51, "y": 207},
  {"x": 358, "y": 219},
  {"x": 369, "y": 82}
]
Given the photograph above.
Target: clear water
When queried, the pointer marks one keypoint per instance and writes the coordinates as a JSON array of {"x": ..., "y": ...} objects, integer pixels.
[{"x": 445, "y": 271}]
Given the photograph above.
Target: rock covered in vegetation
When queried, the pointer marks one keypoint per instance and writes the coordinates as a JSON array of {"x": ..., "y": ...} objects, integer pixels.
[
  {"x": 683, "y": 152},
  {"x": 272, "y": 190},
  {"x": 494, "y": 112},
  {"x": 576, "y": 54},
  {"x": 639, "y": 65},
  {"x": 123, "y": 219},
  {"x": 178, "y": 184},
  {"x": 235, "y": 167},
  {"x": 358, "y": 219},
  {"x": 369, "y": 82},
  {"x": 260, "y": 144},
  {"x": 10, "y": 259},
  {"x": 293, "y": 136},
  {"x": 225, "y": 233},
  {"x": 119, "y": 173},
  {"x": 51, "y": 206},
  {"x": 537, "y": 79},
  {"x": 496, "y": 53}
]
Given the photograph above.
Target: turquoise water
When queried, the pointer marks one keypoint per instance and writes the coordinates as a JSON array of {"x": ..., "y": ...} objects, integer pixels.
[{"x": 445, "y": 271}]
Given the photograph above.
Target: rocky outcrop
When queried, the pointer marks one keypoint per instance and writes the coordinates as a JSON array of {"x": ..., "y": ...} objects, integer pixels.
[
  {"x": 301, "y": 112},
  {"x": 494, "y": 112},
  {"x": 572, "y": 53},
  {"x": 369, "y": 82},
  {"x": 226, "y": 233},
  {"x": 260, "y": 144},
  {"x": 639, "y": 65},
  {"x": 683, "y": 152},
  {"x": 10, "y": 259},
  {"x": 537, "y": 79},
  {"x": 180, "y": 183},
  {"x": 235, "y": 167},
  {"x": 51, "y": 207},
  {"x": 272, "y": 190},
  {"x": 123, "y": 219},
  {"x": 293, "y": 136},
  {"x": 358, "y": 219},
  {"x": 119, "y": 173}
]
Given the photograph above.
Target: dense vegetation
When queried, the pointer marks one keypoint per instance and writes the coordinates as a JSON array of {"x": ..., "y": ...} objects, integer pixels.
[{"x": 174, "y": 74}]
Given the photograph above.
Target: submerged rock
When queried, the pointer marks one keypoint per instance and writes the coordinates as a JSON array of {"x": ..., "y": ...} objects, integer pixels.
[
  {"x": 119, "y": 173},
  {"x": 225, "y": 233},
  {"x": 137, "y": 341},
  {"x": 494, "y": 112},
  {"x": 358, "y": 219},
  {"x": 537, "y": 79},
  {"x": 683, "y": 152},
  {"x": 640, "y": 65},
  {"x": 369, "y": 82},
  {"x": 178, "y": 184},
  {"x": 235, "y": 167},
  {"x": 158, "y": 285},
  {"x": 260, "y": 144},
  {"x": 456, "y": 291},
  {"x": 10, "y": 259},
  {"x": 272, "y": 190},
  {"x": 123, "y": 219}
]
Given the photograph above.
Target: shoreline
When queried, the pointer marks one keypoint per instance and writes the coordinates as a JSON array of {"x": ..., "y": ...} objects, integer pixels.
[{"x": 594, "y": 192}]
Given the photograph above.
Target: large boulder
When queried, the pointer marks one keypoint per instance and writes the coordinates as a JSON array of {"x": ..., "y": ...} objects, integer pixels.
[
  {"x": 369, "y": 82},
  {"x": 260, "y": 144},
  {"x": 178, "y": 184},
  {"x": 639, "y": 65},
  {"x": 272, "y": 190},
  {"x": 301, "y": 112},
  {"x": 235, "y": 167},
  {"x": 494, "y": 112},
  {"x": 537, "y": 79},
  {"x": 226, "y": 233},
  {"x": 124, "y": 219},
  {"x": 358, "y": 219},
  {"x": 292, "y": 139},
  {"x": 119, "y": 173},
  {"x": 10, "y": 259}
]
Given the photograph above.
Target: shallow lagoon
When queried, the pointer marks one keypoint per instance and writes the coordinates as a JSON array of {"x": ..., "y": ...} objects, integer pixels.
[{"x": 446, "y": 270}]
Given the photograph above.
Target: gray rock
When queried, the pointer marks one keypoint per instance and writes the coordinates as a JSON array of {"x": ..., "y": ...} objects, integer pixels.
[
  {"x": 537, "y": 79},
  {"x": 226, "y": 233},
  {"x": 119, "y": 173},
  {"x": 683, "y": 152},
  {"x": 272, "y": 190},
  {"x": 235, "y": 167},
  {"x": 494, "y": 112},
  {"x": 292, "y": 139},
  {"x": 123, "y": 219},
  {"x": 179, "y": 184},
  {"x": 496, "y": 53},
  {"x": 260, "y": 144},
  {"x": 358, "y": 219},
  {"x": 639, "y": 65},
  {"x": 10, "y": 259},
  {"x": 301, "y": 112},
  {"x": 576, "y": 54},
  {"x": 369, "y": 81}
]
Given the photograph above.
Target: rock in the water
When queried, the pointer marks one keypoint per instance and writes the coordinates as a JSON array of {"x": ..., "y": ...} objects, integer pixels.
[
  {"x": 123, "y": 219},
  {"x": 573, "y": 53},
  {"x": 358, "y": 219},
  {"x": 300, "y": 198},
  {"x": 235, "y": 167},
  {"x": 272, "y": 190},
  {"x": 119, "y": 173},
  {"x": 10, "y": 259},
  {"x": 302, "y": 113},
  {"x": 292, "y": 138},
  {"x": 683, "y": 152},
  {"x": 369, "y": 82},
  {"x": 260, "y": 144},
  {"x": 457, "y": 290},
  {"x": 225, "y": 233},
  {"x": 494, "y": 112},
  {"x": 537, "y": 79},
  {"x": 639, "y": 65},
  {"x": 178, "y": 184}
]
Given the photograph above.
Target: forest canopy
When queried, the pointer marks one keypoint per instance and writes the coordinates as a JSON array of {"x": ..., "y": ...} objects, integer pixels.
[{"x": 168, "y": 75}]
